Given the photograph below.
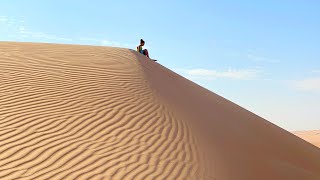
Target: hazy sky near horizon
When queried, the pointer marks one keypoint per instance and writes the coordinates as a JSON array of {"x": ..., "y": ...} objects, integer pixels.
[{"x": 263, "y": 55}]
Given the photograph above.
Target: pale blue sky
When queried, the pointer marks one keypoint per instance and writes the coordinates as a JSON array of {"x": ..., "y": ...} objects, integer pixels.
[{"x": 263, "y": 55}]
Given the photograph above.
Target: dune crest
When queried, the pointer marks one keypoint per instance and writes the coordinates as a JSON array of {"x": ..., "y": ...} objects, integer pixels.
[{"x": 85, "y": 112}]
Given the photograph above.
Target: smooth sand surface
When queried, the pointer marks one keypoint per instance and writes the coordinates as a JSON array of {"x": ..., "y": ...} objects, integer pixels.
[
  {"x": 84, "y": 112},
  {"x": 311, "y": 136}
]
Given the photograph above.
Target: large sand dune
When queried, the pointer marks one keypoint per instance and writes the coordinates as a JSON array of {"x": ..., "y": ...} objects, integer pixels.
[
  {"x": 311, "y": 136},
  {"x": 84, "y": 112}
]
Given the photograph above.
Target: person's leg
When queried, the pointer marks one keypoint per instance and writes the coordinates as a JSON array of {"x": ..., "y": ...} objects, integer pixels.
[{"x": 146, "y": 53}]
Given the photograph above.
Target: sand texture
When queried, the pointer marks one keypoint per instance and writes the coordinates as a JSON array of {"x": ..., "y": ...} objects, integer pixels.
[{"x": 85, "y": 112}]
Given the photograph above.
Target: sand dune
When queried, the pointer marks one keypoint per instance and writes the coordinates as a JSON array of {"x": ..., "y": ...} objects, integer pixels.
[
  {"x": 84, "y": 112},
  {"x": 311, "y": 136}
]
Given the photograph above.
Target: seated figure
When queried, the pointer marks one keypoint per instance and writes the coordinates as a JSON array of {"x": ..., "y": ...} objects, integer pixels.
[{"x": 141, "y": 50}]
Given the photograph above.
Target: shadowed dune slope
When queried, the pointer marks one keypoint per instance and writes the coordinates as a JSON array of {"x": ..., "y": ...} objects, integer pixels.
[{"x": 85, "y": 112}]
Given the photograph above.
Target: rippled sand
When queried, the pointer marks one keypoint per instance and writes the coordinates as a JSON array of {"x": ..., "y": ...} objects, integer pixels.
[{"x": 85, "y": 112}]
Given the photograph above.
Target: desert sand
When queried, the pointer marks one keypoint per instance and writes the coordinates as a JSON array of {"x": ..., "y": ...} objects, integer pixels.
[
  {"x": 311, "y": 136},
  {"x": 85, "y": 112}
]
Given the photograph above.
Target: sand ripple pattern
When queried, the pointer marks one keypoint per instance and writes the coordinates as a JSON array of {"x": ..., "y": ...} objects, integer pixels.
[{"x": 81, "y": 112}]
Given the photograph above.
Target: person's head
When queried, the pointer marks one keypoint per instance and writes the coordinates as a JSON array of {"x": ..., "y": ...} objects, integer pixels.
[{"x": 142, "y": 42}]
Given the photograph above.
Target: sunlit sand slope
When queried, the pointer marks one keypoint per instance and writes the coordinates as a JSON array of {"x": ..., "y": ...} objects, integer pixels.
[
  {"x": 311, "y": 136},
  {"x": 84, "y": 112}
]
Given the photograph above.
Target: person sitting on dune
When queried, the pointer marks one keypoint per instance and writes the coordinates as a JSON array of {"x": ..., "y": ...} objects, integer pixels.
[{"x": 141, "y": 50}]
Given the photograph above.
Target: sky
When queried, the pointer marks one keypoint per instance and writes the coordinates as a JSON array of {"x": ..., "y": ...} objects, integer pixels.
[{"x": 263, "y": 55}]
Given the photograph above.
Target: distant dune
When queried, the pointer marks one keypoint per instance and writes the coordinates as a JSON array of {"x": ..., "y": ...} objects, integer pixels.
[
  {"x": 311, "y": 136},
  {"x": 85, "y": 112}
]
